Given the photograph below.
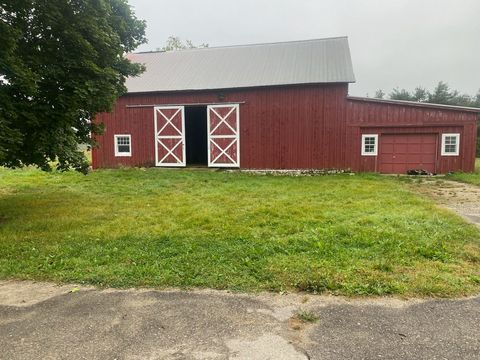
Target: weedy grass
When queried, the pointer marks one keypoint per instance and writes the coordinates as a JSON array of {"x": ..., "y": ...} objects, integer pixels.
[
  {"x": 471, "y": 178},
  {"x": 307, "y": 316},
  {"x": 340, "y": 234}
]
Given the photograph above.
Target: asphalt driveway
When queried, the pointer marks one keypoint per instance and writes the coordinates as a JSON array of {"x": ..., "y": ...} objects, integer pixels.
[{"x": 44, "y": 321}]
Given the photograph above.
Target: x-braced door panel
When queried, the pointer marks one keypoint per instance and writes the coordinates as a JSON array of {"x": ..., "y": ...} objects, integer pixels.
[
  {"x": 223, "y": 125},
  {"x": 170, "y": 136}
]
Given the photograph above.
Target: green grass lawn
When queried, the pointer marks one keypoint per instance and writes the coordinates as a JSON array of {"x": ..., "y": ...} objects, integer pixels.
[
  {"x": 351, "y": 235},
  {"x": 472, "y": 178}
]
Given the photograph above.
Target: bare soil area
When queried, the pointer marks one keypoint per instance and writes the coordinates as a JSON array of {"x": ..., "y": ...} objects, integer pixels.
[{"x": 464, "y": 199}]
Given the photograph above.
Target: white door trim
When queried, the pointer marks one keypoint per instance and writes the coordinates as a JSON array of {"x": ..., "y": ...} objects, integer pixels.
[
  {"x": 158, "y": 137},
  {"x": 235, "y": 136}
]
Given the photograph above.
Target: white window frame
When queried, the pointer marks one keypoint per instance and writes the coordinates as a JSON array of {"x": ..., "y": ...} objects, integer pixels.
[
  {"x": 457, "y": 150},
  {"x": 118, "y": 153},
  {"x": 375, "y": 152}
]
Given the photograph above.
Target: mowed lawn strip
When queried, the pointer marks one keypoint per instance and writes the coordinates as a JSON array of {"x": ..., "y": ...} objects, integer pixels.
[
  {"x": 471, "y": 178},
  {"x": 341, "y": 234}
]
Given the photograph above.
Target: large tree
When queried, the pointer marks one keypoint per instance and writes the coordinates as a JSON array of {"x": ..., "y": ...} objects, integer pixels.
[{"x": 61, "y": 62}]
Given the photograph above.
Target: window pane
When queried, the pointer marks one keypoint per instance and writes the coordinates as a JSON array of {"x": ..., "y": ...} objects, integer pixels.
[
  {"x": 369, "y": 144},
  {"x": 123, "y": 140},
  {"x": 450, "y": 144},
  {"x": 450, "y": 148},
  {"x": 122, "y": 144},
  {"x": 450, "y": 140},
  {"x": 123, "y": 148}
]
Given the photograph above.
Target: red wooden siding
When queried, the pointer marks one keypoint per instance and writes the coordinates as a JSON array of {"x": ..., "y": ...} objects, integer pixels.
[
  {"x": 365, "y": 117},
  {"x": 293, "y": 127},
  {"x": 280, "y": 128}
]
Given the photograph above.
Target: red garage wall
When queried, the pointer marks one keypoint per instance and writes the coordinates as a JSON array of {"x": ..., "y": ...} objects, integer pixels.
[
  {"x": 370, "y": 117},
  {"x": 280, "y": 127},
  {"x": 293, "y": 127}
]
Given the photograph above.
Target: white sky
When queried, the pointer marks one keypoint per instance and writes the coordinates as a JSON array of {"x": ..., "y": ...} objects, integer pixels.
[{"x": 401, "y": 43}]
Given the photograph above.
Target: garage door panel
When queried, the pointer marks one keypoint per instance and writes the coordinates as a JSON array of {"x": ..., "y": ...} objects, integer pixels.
[
  {"x": 413, "y": 140},
  {"x": 430, "y": 150},
  {"x": 399, "y": 153},
  {"x": 414, "y": 159},
  {"x": 388, "y": 149},
  {"x": 399, "y": 158},
  {"x": 397, "y": 168},
  {"x": 388, "y": 168},
  {"x": 430, "y": 140},
  {"x": 415, "y": 148},
  {"x": 427, "y": 158}
]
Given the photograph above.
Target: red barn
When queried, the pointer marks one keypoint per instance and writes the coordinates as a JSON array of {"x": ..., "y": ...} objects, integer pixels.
[{"x": 275, "y": 106}]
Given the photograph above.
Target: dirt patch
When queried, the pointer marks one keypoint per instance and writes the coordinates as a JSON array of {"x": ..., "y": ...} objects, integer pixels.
[
  {"x": 295, "y": 324},
  {"x": 27, "y": 293},
  {"x": 267, "y": 346},
  {"x": 464, "y": 199}
]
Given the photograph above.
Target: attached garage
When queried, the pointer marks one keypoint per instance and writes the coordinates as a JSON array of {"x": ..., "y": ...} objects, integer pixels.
[
  {"x": 399, "y": 153},
  {"x": 397, "y": 136},
  {"x": 275, "y": 106}
]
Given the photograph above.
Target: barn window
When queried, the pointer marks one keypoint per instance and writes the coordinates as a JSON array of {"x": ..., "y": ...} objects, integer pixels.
[
  {"x": 450, "y": 144},
  {"x": 123, "y": 145},
  {"x": 369, "y": 144}
]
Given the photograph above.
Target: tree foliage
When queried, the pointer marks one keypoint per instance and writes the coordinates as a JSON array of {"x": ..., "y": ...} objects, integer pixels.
[
  {"x": 441, "y": 94},
  {"x": 61, "y": 62},
  {"x": 175, "y": 43},
  {"x": 379, "y": 94}
]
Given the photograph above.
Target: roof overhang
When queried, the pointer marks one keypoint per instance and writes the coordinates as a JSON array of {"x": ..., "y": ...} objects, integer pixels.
[
  {"x": 231, "y": 89},
  {"x": 415, "y": 104}
]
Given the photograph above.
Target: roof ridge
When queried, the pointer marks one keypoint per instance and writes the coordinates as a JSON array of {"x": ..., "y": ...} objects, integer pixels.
[{"x": 245, "y": 45}]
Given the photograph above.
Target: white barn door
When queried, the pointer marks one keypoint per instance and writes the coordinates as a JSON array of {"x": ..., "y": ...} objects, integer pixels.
[
  {"x": 223, "y": 128},
  {"x": 170, "y": 136}
]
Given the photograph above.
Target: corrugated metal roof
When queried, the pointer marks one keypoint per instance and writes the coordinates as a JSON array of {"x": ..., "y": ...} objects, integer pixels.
[{"x": 285, "y": 63}]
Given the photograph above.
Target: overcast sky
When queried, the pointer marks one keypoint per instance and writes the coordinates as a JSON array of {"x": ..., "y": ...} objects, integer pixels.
[{"x": 394, "y": 43}]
